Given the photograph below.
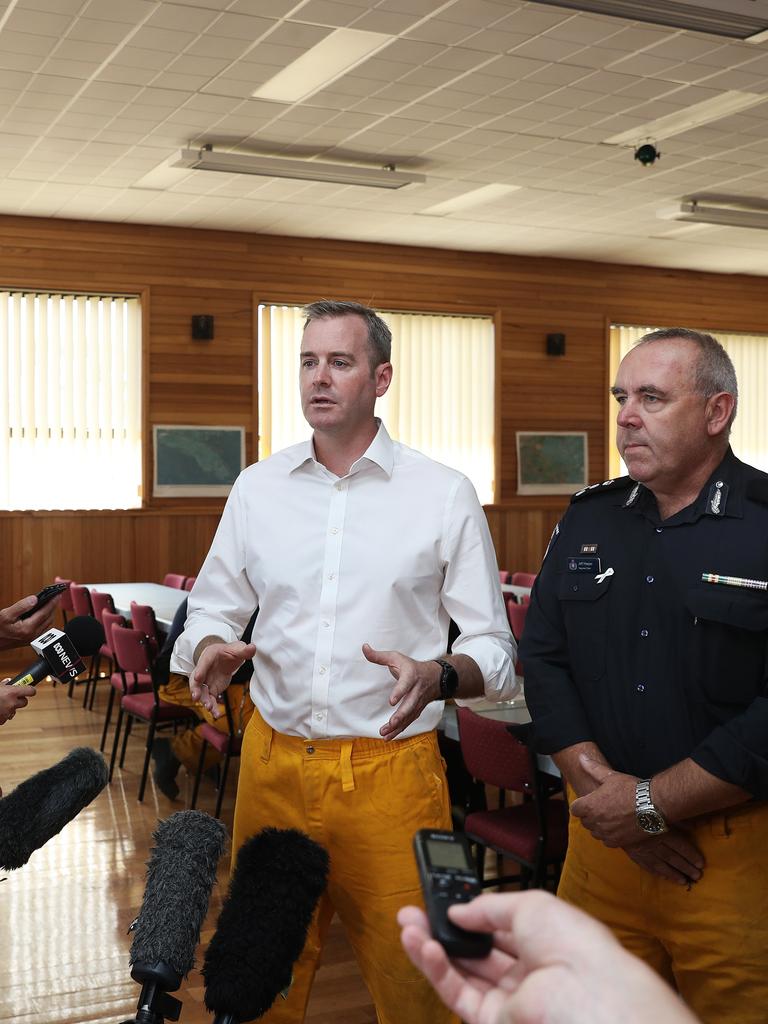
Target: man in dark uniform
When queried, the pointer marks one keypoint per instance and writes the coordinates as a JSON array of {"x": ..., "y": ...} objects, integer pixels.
[{"x": 646, "y": 657}]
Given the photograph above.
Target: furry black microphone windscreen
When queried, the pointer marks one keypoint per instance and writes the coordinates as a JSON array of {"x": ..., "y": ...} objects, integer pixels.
[
  {"x": 278, "y": 880},
  {"x": 39, "y": 808},
  {"x": 180, "y": 875}
]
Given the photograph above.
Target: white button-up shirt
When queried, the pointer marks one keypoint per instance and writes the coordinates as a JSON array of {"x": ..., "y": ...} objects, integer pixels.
[{"x": 387, "y": 555}]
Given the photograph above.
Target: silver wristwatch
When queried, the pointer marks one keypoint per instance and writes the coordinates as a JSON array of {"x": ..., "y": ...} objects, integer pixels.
[{"x": 648, "y": 817}]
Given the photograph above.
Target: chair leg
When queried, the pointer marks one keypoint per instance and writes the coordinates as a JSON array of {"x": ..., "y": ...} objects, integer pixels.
[
  {"x": 222, "y": 785},
  {"x": 91, "y": 681},
  {"x": 110, "y": 668},
  {"x": 115, "y": 741},
  {"x": 198, "y": 776},
  {"x": 110, "y": 705},
  {"x": 147, "y": 755},
  {"x": 128, "y": 727}
]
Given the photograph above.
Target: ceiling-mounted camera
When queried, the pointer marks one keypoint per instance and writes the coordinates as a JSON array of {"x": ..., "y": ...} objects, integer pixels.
[{"x": 647, "y": 154}]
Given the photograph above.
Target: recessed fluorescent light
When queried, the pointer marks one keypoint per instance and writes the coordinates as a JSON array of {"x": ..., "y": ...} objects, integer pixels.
[
  {"x": 723, "y": 210},
  {"x": 163, "y": 177},
  {"x": 332, "y": 57},
  {"x": 725, "y": 104},
  {"x": 758, "y": 37},
  {"x": 285, "y": 167},
  {"x": 467, "y": 200}
]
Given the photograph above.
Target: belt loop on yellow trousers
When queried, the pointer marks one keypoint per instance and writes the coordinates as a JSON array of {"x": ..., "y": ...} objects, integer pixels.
[
  {"x": 266, "y": 738},
  {"x": 345, "y": 760}
]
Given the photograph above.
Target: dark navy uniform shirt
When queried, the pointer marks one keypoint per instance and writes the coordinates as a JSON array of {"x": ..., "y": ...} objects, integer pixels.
[{"x": 647, "y": 661}]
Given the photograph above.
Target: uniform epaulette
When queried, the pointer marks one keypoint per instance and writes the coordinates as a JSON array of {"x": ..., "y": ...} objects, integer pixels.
[
  {"x": 757, "y": 489},
  {"x": 606, "y": 485}
]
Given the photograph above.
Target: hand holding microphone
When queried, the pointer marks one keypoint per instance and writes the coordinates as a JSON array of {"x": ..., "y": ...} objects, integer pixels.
[
  {"x": 19, "y": 624},
  {"x": 60, "y": 653},
  {"x": 12, "y": 698}
]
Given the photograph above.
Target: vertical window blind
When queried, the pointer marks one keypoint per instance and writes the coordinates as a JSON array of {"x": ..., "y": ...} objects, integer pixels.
[
  {"x": 749, "y": 354},
  {"x": 70, "y": 401},
  {"x": 441, "y": 400}
]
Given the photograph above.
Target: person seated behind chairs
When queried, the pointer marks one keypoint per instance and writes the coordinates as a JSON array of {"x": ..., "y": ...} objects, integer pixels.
[{"x": 184, "y": 749}]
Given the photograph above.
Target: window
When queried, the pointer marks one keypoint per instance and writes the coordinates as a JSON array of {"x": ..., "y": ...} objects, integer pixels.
[
  {"x": 70, "y": 401},
  {"x": 749, "y": 353},
  {"x": 441, "y": 400}
]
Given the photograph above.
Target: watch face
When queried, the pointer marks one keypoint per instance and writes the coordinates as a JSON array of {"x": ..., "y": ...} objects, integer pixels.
[{"x": 650, "y": 821}]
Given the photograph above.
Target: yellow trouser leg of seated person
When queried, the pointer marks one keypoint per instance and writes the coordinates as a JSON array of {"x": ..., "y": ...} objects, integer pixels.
[
  {"x": 186, "y": 745},
  {"x": 710, "y": 940},
  {"x": 362, "y": 800}
]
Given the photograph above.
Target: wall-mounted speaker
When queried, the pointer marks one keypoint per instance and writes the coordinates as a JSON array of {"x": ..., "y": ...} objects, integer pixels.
[
  {"x": 555, "y": 344},
  {"x": 202, "y": 327}
]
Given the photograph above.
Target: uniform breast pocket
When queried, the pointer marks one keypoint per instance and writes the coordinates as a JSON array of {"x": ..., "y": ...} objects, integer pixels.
[
  {"x": 585, "y": 612},
  {"x": 729, "y": 643}
]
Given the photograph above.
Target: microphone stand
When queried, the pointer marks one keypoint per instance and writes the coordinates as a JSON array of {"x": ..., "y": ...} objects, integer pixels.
[{"x": 155, "y": 1005}]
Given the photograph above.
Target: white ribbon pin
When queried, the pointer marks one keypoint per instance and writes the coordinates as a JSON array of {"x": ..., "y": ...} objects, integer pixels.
[{"x": 603, "y": 575}]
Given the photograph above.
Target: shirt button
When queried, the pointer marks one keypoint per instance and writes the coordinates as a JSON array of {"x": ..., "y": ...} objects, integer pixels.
[
  {"x": 322, "y": 670},
  {"x": 326, "y": 623},
  {"x": 649, "y": 579},
  {"x": 319, "y": 716},
  {"x": 340, "y": 487},
  {"x": 574, "y": 588},
  {"x": 334, "y": 530},
  {"x": 643, "y": 632},
  {"x": 640, "y": 687},
  {"x": 310, "y": 750},
  {"x": 331, "y": 575}
]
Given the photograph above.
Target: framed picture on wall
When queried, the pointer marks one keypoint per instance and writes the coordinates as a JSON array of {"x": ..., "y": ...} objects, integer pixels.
[
  {"x": 551, "y": 462},
  {"x": 196, "y": 462}
]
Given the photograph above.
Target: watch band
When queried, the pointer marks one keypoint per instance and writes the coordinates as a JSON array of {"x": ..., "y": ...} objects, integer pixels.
[{"x": 449, "y": 679}]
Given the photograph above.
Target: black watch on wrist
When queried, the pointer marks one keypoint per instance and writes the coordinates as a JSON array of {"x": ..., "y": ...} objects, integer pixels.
[{"x": 449, "y": 679}]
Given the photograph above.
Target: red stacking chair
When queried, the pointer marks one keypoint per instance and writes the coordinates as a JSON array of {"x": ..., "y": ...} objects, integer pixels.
[
  {"x": 101, "y": 603},
  {"x": 523, "y": 579},
  {"x": 65, "y": 602},
  {"x": 120, "y": 682},
  {"x": 135, "y": 653},
  {"x": 533, "y": 833},
  {"x": 516, "y": 614},
  {"x": 143, "y": 618},
  {"x": 82, "y": 605},
  {"x": 504, "y": 576},
  {"x": 173, "y": 579},
  {"x": 190, "y": 582},
  {"x": 229, "y": 744}
]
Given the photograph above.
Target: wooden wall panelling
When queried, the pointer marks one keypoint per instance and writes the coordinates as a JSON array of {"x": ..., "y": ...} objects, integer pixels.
[{"x": 185, "y": 271}]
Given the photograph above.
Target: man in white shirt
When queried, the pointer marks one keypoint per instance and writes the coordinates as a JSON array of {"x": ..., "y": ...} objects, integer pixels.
[{"x": 356, "y": 549}]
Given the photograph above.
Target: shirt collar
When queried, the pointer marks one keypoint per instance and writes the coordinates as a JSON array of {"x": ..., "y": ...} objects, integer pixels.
[
  {"x": 721, "y": 496},
  {"x": 381, "y": 451}
]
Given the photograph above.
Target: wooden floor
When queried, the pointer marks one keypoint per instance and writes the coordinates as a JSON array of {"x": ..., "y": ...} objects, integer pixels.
[{"x": 64, "y": 915}]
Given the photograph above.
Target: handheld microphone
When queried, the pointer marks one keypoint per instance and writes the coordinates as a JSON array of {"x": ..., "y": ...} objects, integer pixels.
[
  {"x": 39, "y": 808},
  {"x": 60, "y": 653},
  {"x": 180, "y": 875},
  {"x": 278, "y": 880}
]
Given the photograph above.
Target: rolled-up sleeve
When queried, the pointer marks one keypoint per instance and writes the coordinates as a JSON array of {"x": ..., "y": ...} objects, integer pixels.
[
  {"x": 472, "y": 596},
  {"x": 222, "y": 600},
  {"x": 737, "y": 751}
]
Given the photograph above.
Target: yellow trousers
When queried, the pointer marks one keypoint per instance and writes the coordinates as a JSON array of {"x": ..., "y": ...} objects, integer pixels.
[
  {"x": 187, "y": 745},
  {"x": 709, "y": 940},
  {"x": 362, "y": 800}
]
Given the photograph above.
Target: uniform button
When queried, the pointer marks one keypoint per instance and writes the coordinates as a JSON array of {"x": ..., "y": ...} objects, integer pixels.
[
  {"x": 659, "y": 529},
  {"x": 649, "y": 579},
  {"x": 574, "y": 588},
  {"x": 310, "y": 750},
  {"x": 640, "y": 687},
  {"x": 643, "y": 632}
]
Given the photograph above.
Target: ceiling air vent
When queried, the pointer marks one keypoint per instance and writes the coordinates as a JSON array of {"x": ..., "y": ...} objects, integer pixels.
[{"x": 738, "y": 19}]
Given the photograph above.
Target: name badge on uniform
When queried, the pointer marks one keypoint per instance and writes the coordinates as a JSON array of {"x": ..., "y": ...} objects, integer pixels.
[{"x": 581, "y": 563}]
